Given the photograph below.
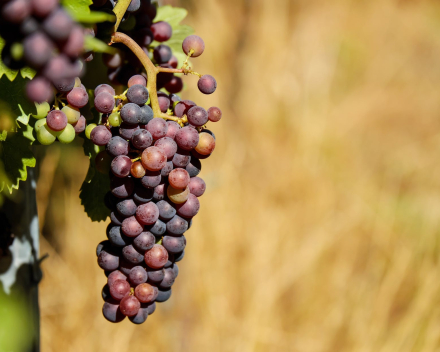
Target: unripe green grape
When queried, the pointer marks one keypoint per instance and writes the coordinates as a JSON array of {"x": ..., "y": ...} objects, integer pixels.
[
  {"x": 115, "y": 119},
  {"x": 67, "y": 135},
  {"x": 72, "y": 113},
  {"x": 45, "y": 135},
  {"x": 39, "y": 123},
  {"x": 89, "y": 129},
  {"x": 42, "y": 110}
]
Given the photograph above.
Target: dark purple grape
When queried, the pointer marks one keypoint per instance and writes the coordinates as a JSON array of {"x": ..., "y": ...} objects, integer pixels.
[
  {"x": 138, "y": 275},
  {"x": 162, "y": 53},
  {"x": 146, "y": 114},
  {"x": 190, "y": 208},
  {"x": 131, "y": 227},
  {"x": 197, "y": 116},
  {"x": 155, "y": 275},
  {"x": 117, "y": 146},
  {"x": 137, "y": 94},
  {"x": 174, "y": 244},
  {"x": 119, "y": 289},
  {"x": 158, "y": 228},
  {"x": 141, "y": 139},
  {"x": 132, "y": 255},
  {"x": 129, "y": 306},
  {"x": 163, "y": 295},
  {"x": 60, "y": 69},
  {"x": 78, "y": 97},
  {"x": 103, "y": 245},
  {"x": 37, "y": 49},
  {"x": 173, "y": 62},
  {"x": 143, "y": 195},
  {"x": 173, "y": 127},
  {"x": 126, "y": 130},
  {"x": 105, "y": 102},
  {"x": 168, "y": 279},
  {"x": 100, "y": 135},
  {"x": 187, "y": 138},
  {"x": 194, "y": 167},
  {"x": 116, "y": 237},
  {"x": 151, "y": 179},
  {"x": 112, "y": 312},
  {"x": 126, "y": 207},
  {"x": 122, "y": 187},
  {"x": 179, "y": 256},
  {"x": 157, "y": 127},
  {"x": 167, "y": 169},
  {"x": 125, "y": 266},
  {"x": 181, "y": 158},
  {"x": 182, "y": 108},
  {"x": 151, "y": 307},
  {"x": 175, "y": 270},
  {"x": 75, "y": 43},
  {"x": 195, "y": 43},
  {"x": 144, "y": 241},
  {"x": 159, "y": 192},
  {"x": 107, "y": 260},
  {"x": 28, "y": 26},
  {"x": 116, "y": 218},
  {"x": 56, "y": 120},
  {"x": 58, "y": 25},
  {"x": 130, "y": 113},
  {"x": 144, "y": 37},
  {"x": 104, "y": 88},
  {"x": 16, "y": 11},
  {"x": 140, "y": 317},
  {"x": 42, "y": 8},
  {"x": 162, "y": 31},
  {"x": 167, "y": 145},
  {"x": 166, "y": 210},
  {"x": 134, "y": 6},
  {"x": 64, "y": 85},
  {"x": 121, "y": 165},
  {"x": 177, "y": 225},
  {"x": 175, "y": 85},
  {"x": 147, "y": 214}
]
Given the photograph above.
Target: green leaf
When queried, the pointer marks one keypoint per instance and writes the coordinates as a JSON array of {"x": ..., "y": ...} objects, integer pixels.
[
  {"x": 28, "y": 72},
  {"x": 172, "y": 15},
  {"x": 5, "y": 70},
  {"x": 95, "y": 17},
  {"x": 119, "y": 10},
  {"x": 77, "y": 7},
  {"x": 94, "y": 187},
  {"x": 16, "y": 156},
  {"x": 96, "y": 45}
]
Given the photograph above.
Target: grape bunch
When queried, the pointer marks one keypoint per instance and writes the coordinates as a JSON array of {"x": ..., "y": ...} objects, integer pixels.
[
  {"x": 40, "y": 34},
  {"x": 154, "y": 166}
]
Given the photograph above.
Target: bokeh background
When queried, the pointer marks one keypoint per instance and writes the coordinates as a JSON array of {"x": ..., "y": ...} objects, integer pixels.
[{"x": 319, "y": 230}]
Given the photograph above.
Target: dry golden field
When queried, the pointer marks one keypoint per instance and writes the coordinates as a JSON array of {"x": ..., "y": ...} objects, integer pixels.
[{"x": 319, "y": 230}]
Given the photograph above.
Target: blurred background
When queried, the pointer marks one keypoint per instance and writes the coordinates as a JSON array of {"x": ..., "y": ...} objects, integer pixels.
[{"x": 319, "y": 230}]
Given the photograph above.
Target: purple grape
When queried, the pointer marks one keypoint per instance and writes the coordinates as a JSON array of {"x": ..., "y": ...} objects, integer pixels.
[
  {"x": 163, "y": 295},
  {"x": 181, "y": 158},
  {"x": 130, "y": 113},
  {"x": 134, "y": 6},
  {"x": 100, "y": 135},
  {"x": 75, "y": 43},
  {"x": 131, "y": 227},
  {"x": 197, "y": 186},
  {"x": 195, "y": 43},
  {"x": 166, "y": 210},
  {"x": 113, "y": 276},
  {"x": 158, "y": 228},
  {"x": 144, "y": 241},
  {"x": 162, "y": 53},
  {"x": 105, "y": 102},
  {"x": 197, "y": 116},
  {"x": 132, "y": 255},
  {"x": 78, "y": 97},
  {"x": 207, "y": 84},
  {"x": 80, "y": 125},
  {"x": 119, "y": 289},
  {"x": 116, "y": 237},
  {"x": 122, "y": 187},
  {"x": 112, "y": 312},
  {"x": 143, "y": 195},
  {"x": 147, "y": 214},
  {"x": 190, "y": 208},
  {"x": 146, "y": 115},
  {"x": 167, "y": 169},
  {"x": 187, "y": 138},
  {"x": 177, "y": 225},
  {"x": 162, "y": 31},
  {"x": 42, "y": 8},
  {"x": 16, "y": 11},
  {"x": 37, "y": 49},
  {"x": 144, "y": 37},
  {"x": 121, "y": 165},
  {"x": 175, "y": 85},
  {"x": 56, "y": 120},
  {"x": 117, "y": 146},
  {"x": 113, "y": 60},
  {"x": 179, "y": 256},
  {"x": 137, "y": 79},
  {"x": 104, "y": 88},
  {"x": 214, "y": 114},
  {"x": 164, "y": 102},
  {"x": 137, "y": 94},
  {"x": 126, "y": 130},
  {"x": 168, "y": 279},
  {"x": 141, "y": 316},
  {"x": 159, "y": 192},
  {"x": 182, "y": 108},
  {"x": 138, "y": 275},
  {"x": 58, "y": 25},
  {"x": 107, "y": 260},
  {"x": 141, "y": 139},
  {"x": 194, "y": 167},
  {"x": 103, "y": 245},
  {"x": 126, "y": 207},
  {"x": 116, "y": 218},
  {"x": 174, "y": 244},
  {"x": 151, "y": 179},
  {"x": 168, "y": 146},
  {"x": 155, "y": 275},
  {"x": 129, "y": 306}
]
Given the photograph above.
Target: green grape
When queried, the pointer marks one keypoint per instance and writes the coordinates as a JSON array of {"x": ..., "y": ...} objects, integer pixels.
[
  {"x": 72, "y": 113},
  {"x": 89, "y": 129},
  {"x": 42, "y": 110},
  {"x": 39, "y": 123},
  {"x": 115, "y": 119},
  {"x": 77, "y": 82},
  {"x": 67, "y": 135},
  {"x": 45, "y": 135}
]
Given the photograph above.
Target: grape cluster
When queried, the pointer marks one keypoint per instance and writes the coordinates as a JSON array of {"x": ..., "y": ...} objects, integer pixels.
[
  {"x": 153, "y": 166},
  {"x": 65, "y": 123},
  {"x": 40, "y": 34}
]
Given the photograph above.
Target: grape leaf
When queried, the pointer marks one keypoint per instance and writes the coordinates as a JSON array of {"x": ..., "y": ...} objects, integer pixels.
[
  {"x": 96, "y": 45},
  {"x": 172, "y": 15},
  {"x": 94, "y": 187},
  {"x": 77, "y": 7},
  {"x": 26, "y": 72},
  {"x": 16, "y": 156},
  {"x": 95, "y": 17}
]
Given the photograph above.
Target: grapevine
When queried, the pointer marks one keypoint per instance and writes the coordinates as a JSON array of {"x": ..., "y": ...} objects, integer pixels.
[{"x": 144, "y": 142}]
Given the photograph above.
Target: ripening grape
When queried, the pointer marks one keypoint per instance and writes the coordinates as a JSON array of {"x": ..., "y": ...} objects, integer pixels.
[
  {"x": 195, "y": 43},
  {"x": 75, "y": 43},
  {"x": 197, "y": 186},
  {"x": 173, "y": 62},
  {"x": 131, "y": 227},
  {"x": 147, "y": 214},
  {"x": 56, "y": 120},
  {"x": 190, "y": 208},
  {"x": 207, "y": 84},
  {"x": 115, "y": 275},
  {"x": 45, "y": 135},
  {"x": 153, "y": 159},
  {"x": 197, "y": 116},
  {"x": 37, "y": 49},
  {"x": 206, "y": 144},
  {"x": 214, "y": 114},
  {"x": 164, "y": 102},
  {"x": 39, "y": 90},
  {"x": 137, "y": 79},
  {"x": 179, "y": 178},
  {"x": 178, "y": 195},
  {"x": 42, "y": 110},
  {"x": 67, "y": 135},
  {"x": 39, "y": 123},
  {"x": 104, "y": 88},
  {"x": 100, "y": 135},
  {"x": 72, "y": 113},
  {"x": 89, "y": 129},
  {"x": 121, "y": 166},
  {"x": 119, "y": 289},
  {"x": 129, "y": 306},
  {"x": 181, "y": 158},
  {"x": 162, "y": 31},
  {"x": 167, "y": 145},
  {"x": 187, "y": 138},
  {"x": 137, "y": 170},
  {"x": 146, "y": 293},
  {"x": 104, "y": 102},
  {"x": 16, "y": 11},
  {"x": 173, "y": 127},
  {"x": 115, "y": 119},
  {"x": 156, "y": 257},
  {"x": 42, "y": 8},
  {"x": 137, "y": 94},
  {"x": 78, "y": 97}
]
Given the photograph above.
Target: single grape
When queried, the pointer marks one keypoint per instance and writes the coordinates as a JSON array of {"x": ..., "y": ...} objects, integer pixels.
[
  {"x": 174, "y": 244},
  {"x": 28, "y": 26},
  {"x": 190, "y": 208},
  {"x": 134, "y": 5},
  {"x": 143, "y": 37},
  {"x": 125, "y": 266},
  {"x": 159, "y": 192},
  {"x": 100, "y": 135},
  {"x": 164, "y": 101},
  {"x": 168, "y": 279},
  {"x": 179, "y": 256},
  {"x": 112, "y": 312},
  {"x": 156, "y": 257},
  {"x": 143, "y": 195},
  {"x": 207, "y": 84},
  {"x": 178, "y": 195},
  {"x": 42, "y": 110},
  {"x": 137, "y": 170},
  {"x": 103, "y": 245},
  {"x": 175, "y": 85},
  {"x": 146, "y": 293},
  {"x": 104, "y": 88},
  {"x": 67, "y": 135},
  {"x": 173, "y": 127},
  {"x": 113, "y": 60},
  {"x": 121, "y": 166},
  {"x": 206, "y": 144},
  {"x": 214, "y": 114},
  {"x": 115, "y": 275},
  {"x": 141, "y": 316},
  {"x": 116, "y": 218},
  {"x": 119, "y": 289},
  {"x": 72, "y": 113},
  {"x": 179, "y": 178},
  {"x": 42, "y": 8},
  {"x": 75, "y": 43},
  {"x": 37, "y": 49},
  {"x": 147, "y": 214},
  {"x": 177, "y": 225},
  {"x": 167, "y": 169},
  {"x": 126, "y": 130},
  {"x": 122, "y": 187},
  {"x": 181, "y": 158},
  {"x": 78, "y": 97},
  {"x": 137, "y": 79},
  {"x": 117, "y": 146},
  {"x": 182, "y": 107},
  {"x": 45, "y": 135},
  {"x": 89, "y": 129},
  {"x": 194, "y": 43},
  {"x": 130, "y": 113},
  {"x": 141, "y": 139},
  {"x": 187, "y": 138},
  {"x": 168, "y": 146},
  {"x": 197, "y": 116},
  {"x": 126, "y": 207},
  {"x": 15, "y": 11},
  {"x": 157, "y": 127},
  {"x": 162, "y": 53},
  {"x": 80, "y": 125},
  {"x": 64, "y": 85},
  {"x": 131, "y": 227},
  {"x": 107, "y": 260},
  {"x": 129, "y": 306},
  {"x": 146, "y": 114},
  {"x": 155, "y": 275},
  {"x": 58, "y": 25},
  {"x": 39, "y": 90},
  {"x": 39, "y": 123},
  {"x": 162, "y": 31},
  {"x": 138, "y": 275},
  {"x": 132, "y": 255},
  {"x": 194, "y": 167},
  {"x": 153, "y": 159},
  {"x": 105, "y": 102},
  {"x": 197, "y": 186},
  {"x": 116, "y": 237},
  {"x": 56, "y": 120},
  {"x": 144, "y": 241},
  {"x": 166, "y": 210},
  {"x": 158, "y": 228},
  {"x": 163, "y": 295},
  {"x": 115, "y": 119},
  {"x": 173, "y": 62},
  {"x": 151, "y": 179}
]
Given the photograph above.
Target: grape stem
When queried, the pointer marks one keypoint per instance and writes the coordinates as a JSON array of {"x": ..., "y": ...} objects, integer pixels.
[{"x": 178, "y": 70}]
